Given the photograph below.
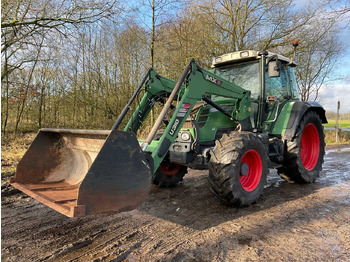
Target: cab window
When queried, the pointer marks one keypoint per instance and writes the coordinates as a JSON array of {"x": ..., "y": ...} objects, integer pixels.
[
  {"x": 277, "y": 86},
  {"x": 244, "y": 75},
  {"x": 293, "y": 83}
]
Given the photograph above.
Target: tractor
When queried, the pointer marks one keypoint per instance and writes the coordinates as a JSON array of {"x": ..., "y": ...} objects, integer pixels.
[{"x": 238, "y": 119}]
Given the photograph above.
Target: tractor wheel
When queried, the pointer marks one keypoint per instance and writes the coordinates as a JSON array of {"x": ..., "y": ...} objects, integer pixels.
[
  {"x": 238, "y": 168},
  {"x": 169, "y": 174},
  {"x": 304, "y": 155}
]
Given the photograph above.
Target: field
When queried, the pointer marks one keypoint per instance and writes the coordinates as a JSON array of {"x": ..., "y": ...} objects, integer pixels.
[
  {"x": 342, "y": 123},
  {"x": 344, "y": 136}
]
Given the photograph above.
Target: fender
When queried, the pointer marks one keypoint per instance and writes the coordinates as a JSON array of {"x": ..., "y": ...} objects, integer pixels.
[{"x": 296, "y": 111}]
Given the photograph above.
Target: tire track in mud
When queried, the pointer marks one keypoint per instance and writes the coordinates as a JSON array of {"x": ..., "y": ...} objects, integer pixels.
[
  {"x": 108, "y": 243},
  {"x": 81, "y": 235},
  {"x": 187, "y": 223},
  {"x": 166, "y": 240},
  {"x": 135, "y": 239},
  {"x": 113, "y": 245},
  {"x": 115, "y": 248},
  {"x": 49, "y": 227}
]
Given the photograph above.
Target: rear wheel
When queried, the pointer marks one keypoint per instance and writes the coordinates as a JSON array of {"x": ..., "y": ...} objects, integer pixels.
[
  {"x": 238, "y": 168},
  {"x": 304, "y": 155},
  {"x": 169, "y": 174}
]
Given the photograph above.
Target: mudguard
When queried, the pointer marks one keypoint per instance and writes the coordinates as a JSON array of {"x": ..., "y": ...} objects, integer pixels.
[
  {"x": 291, "y": 115},
  {"x": 297, "y": 112}
]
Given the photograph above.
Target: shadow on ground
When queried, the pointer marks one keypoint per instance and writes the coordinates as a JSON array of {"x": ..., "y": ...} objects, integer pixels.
[{"x": 192, "y": 204}]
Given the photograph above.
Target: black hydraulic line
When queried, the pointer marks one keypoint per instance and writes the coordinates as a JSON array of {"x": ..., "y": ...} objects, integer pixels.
[
  {"x": 197, "y": 137},
  {"x": 127, "y": 107},
  {"x": 216, "y": 106},
  {"x": 262, "y": 95}
]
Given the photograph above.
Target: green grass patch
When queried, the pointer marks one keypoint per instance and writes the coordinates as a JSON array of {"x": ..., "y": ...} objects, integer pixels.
[{"x": 342, "y": 123}]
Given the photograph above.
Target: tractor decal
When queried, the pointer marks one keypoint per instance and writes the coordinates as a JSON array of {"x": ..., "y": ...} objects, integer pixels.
[
  {"x": 179, "y": 117},
  {"x": 174, "y": 126},
  {"x": 213, "y": 80}
]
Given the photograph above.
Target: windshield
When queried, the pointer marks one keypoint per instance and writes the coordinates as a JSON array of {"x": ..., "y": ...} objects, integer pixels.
[{"x": 243, "y": 75}]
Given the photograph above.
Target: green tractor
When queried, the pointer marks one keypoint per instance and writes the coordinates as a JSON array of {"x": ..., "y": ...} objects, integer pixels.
[{"x": 238, "y": 119}]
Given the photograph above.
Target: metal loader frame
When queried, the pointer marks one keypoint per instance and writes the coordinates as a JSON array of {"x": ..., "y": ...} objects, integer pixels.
[{"x": 195, "y": 84}]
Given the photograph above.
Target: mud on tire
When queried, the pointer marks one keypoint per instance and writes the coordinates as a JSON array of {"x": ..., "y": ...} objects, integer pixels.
[
  {"x": 304, "y": 154},
  {"x": 169, "y": 174},
  {"x": 238, "y": 168}
]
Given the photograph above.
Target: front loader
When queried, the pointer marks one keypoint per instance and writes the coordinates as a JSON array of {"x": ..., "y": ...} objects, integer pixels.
[{"x": 238, "y": 119}]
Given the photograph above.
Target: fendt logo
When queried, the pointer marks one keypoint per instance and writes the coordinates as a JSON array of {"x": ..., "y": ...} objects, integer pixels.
[
  {"x": 174, "y": 127},
  {"x": 213, "y": 80}
]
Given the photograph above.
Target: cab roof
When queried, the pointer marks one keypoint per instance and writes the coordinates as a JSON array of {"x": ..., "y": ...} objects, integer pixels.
[{"x": 245, "y": 55}]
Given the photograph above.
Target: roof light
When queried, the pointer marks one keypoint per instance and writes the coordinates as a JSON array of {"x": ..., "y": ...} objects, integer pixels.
[
  {"x": 234, "y": 57},
  {"x": 218, "y": 59},
  {"x": 244, "y": 54}
]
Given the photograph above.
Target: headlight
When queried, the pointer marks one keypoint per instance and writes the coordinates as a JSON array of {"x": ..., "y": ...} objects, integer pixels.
[{"x": 185, "y": 136}]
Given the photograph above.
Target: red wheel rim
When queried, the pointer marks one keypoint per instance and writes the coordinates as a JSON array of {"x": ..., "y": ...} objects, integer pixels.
[
  {"x": 310, "y": 147},
  {"x": 251, "y": 179},
  {"x": 170, "y": 169}
]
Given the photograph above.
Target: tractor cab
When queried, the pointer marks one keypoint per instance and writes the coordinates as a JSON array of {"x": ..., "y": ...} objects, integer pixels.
[{"x": 273, "y": 89}]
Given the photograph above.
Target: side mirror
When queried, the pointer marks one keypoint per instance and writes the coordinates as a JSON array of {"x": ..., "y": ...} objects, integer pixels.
[{"x": 274, "y": 68}]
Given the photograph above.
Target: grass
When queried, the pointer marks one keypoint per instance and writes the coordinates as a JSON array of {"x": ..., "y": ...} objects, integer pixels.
[
  {"x": 342, "y": 123},
  {"x": 13, "y": 148},
  {"x": 344, "y": 137}
]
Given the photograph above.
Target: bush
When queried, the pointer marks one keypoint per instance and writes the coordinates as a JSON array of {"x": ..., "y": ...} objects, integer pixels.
[{"x": 343, "y": 137}]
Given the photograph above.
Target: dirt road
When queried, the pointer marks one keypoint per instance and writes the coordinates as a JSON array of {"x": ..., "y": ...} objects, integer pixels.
[{"x": 290, "y": 223}]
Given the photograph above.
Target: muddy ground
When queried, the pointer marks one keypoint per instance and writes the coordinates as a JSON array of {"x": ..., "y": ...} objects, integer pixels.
[{"x": 290, "y": 223}]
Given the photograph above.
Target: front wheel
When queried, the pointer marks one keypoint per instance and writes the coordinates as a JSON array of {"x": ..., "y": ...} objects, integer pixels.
[
  {"x": 238, "y": 168},
  {"x": 304, "y": 155},
  {"x": 169, "y": 174}
]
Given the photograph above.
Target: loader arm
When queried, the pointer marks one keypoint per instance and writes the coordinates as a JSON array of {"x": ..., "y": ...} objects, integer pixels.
[
  {"x": 198, "y": 84},
  {"x": 87, "y": 172},
  {"x": 157, "y": 88}
]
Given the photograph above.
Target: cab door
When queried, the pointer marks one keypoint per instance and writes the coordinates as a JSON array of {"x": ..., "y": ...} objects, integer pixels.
[{"x": 277, "y": 92}]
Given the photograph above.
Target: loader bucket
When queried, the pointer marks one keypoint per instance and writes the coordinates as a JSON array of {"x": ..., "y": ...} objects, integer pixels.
[{"x": 84, "y": 172}]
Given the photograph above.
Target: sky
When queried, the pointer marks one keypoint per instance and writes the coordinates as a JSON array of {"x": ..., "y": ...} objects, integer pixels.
[{"x": 339, "y": 90}]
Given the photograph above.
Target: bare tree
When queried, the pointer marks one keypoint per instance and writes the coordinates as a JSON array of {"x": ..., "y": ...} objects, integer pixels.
[
  {"x": 273, "y": 25},
  {"x": 153, "y": 14},
  {"x": 25, "y": 24},
  {"x": 69, "y": 64},
  {"x": 318, "y": 56},
  {"x": 22, "y": 21},
  {"x": 255, "y": 24}
]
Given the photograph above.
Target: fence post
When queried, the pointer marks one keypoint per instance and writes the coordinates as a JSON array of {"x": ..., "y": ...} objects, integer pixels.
[{"x": 337, "y": 124}]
